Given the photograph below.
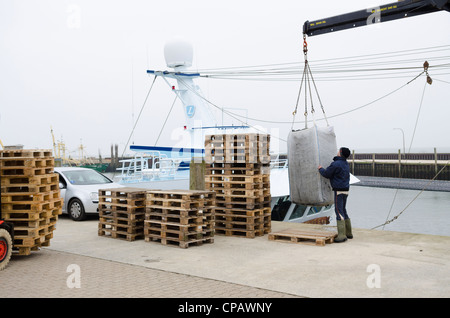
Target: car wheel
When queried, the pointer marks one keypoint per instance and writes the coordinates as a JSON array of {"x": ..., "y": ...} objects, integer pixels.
[
  {"x": 76, "y": 210},
  {"x": 5, "y": 248}
]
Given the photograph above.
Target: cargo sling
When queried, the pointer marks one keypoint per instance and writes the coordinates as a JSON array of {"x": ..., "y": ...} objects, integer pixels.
[{"x": 308, "y": 148}]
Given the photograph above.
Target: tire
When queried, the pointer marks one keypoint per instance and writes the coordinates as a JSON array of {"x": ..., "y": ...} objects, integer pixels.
[
  {"x": 5, "y": 248},
  {"x": 76, "y": 210}
]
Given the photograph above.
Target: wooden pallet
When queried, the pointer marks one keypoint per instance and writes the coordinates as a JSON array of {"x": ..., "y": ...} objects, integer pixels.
[
  {"x": 18, "y": 163},
  {"x": 215, "y": 169},
  {"x": 304, "y": 236},
  {"x": 238, "y": 179},
  {"x": 243, "y": 203},
  {"x": 266, "y": 211},
  {"x": 129, "y": 211},
  {"x": 30, "y": 197},
  {"x": 239, "y": 232},
  {"x": 242, "y": 192},
  {"x": 240, "y": 219},
  {"x": 226, "y": 140},
  {"x": 26, "y": 153},
  {"x": 122, "y": 195},
  {"x": 236, "y": 158},
  {"x": 181, "y": 195},
  {"x": 176, "y": 231},
  {"x": 237, "y": 148},
  {"x": 236, "y": 166},
  {"x": 181, "y": 219},
  {"x": 175, "y": 242},
  {"x": 120, "y": 232},
  {"x": 25, "y": 245},
  {"x": 178, "y": 200},
  {"x": 30, "y": 181}
]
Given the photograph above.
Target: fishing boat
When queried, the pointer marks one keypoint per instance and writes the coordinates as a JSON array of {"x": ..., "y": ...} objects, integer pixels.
[{"x": 167, "y": 167}]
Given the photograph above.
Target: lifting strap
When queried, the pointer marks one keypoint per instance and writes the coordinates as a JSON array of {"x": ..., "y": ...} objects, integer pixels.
[{"x": 307, "y": 78}]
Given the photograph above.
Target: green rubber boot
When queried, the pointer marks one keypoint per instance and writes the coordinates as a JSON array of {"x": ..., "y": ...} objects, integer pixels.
[
  {"x": 348, "y": 229},
  {"x": 341, "y": 237}
]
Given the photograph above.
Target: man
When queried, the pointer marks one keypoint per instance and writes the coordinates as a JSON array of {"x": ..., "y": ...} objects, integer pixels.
[{"x": 339, "y": 174}]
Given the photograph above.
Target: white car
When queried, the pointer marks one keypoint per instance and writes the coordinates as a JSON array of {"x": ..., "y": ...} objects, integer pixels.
[{"x": 79, "y": 189}]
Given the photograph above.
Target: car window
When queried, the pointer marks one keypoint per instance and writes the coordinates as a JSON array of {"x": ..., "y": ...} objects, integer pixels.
[
  {"x": 85, "y": 177},
  {"x": 61, "y": 180},
  {"x": 298, "y": 212},
  {"x": 314, "y": 210},
  {"x": 281, "y": 208}
]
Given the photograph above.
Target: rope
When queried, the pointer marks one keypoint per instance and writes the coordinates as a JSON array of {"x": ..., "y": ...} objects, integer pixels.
[
  {"x": 336, "y": 61},
  {"x": 139, "y": 116},
  {"x": 409, "y": 151},
  {"x": 417, "y": 117},
  {"x": 226, "y": 112},
  {"x": 428, "y": 81},
  {"x": 160, "y": 132},
  {"x": 332, "y": 116},
  {"x": 439, "y": 80},
  {"x": 421, "y": 191}
]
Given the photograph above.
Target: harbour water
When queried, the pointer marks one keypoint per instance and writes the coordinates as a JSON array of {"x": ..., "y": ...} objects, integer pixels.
[{"x": 429, "y": 213}]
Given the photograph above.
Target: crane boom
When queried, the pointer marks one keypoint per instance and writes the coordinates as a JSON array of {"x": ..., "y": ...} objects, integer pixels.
[{"x": 388, "y": 12}]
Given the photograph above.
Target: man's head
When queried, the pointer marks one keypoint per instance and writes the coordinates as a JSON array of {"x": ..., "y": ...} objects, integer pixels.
[{"x": 344, "y": 152}]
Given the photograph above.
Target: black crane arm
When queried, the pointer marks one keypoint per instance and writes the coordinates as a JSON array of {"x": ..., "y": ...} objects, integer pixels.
[{"x": 388, "y": 12}]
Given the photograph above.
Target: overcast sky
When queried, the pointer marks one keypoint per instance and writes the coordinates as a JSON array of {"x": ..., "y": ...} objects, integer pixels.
[{"x": 80, "y": 68}]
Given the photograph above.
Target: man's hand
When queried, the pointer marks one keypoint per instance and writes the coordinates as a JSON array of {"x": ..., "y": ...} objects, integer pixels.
[{"x": 320, "y": 167}]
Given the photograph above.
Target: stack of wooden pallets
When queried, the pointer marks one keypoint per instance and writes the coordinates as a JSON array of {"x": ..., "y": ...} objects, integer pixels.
[
  {"x": 30, "y": 197},
  {"x": 180, "y": 217},
  {"x": 122, "y": 213},
  {"x": 238, "y": 172}
]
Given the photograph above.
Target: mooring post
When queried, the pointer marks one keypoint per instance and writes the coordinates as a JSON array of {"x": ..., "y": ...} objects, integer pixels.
[
  {"x": 373, "y": 165},
  {"x": 197, "y": 174},
  {"x": 435, "y": 161},
  {"x": 353, "y": 161}
]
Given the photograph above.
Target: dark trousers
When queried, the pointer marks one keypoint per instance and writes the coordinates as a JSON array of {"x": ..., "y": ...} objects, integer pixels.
[{"x": 340, "y": 202}]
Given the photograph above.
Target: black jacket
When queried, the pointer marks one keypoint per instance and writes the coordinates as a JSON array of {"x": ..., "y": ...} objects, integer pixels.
[{"x": 338, "y": 173}]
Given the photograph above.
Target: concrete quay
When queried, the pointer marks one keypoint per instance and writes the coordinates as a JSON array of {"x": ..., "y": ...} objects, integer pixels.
[{"x": 375, "y": 264}]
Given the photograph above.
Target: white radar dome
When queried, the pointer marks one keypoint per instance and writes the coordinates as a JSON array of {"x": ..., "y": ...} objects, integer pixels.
[{"x": 178, "y": 53}]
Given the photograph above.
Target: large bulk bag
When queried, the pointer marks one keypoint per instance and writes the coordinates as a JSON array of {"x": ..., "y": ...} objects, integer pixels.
[{"x": 307, "y": 149}]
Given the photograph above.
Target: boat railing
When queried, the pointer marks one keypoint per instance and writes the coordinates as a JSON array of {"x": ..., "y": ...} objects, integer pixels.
[
  {"x": 154, "y": 165},
  {"x": 278, "y": 163},
  {"x": 148, "y": 166}
]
